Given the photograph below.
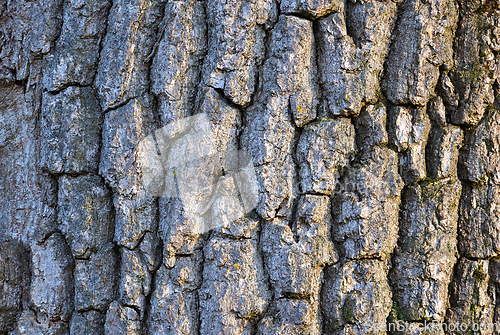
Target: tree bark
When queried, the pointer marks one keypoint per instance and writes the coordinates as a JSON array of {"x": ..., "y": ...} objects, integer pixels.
[{"x": 373, "y": 132}]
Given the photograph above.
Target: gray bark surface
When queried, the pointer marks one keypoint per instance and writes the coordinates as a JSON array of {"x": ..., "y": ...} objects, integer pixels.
[{"x": 373, "y": 127}]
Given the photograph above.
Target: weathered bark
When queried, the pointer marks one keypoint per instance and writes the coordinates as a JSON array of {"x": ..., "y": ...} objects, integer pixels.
[{"x": 372, "y": 127}]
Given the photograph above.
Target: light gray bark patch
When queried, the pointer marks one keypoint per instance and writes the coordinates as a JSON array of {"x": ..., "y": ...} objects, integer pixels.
[
  {"x": 236, "y": 45},
  {"x": 52, "y": 279},
  {"x": 324, "y": 150},
  {"x": 122, "y": 73},
  {"x": 427, "y": 249},
  {"x": 135, "y": 208},
  {"x": 350, "y": 67},
  {"x": 74, "y": 58},
  {"x": 84, "y": 215},
  {"x": 423, "y": 42},
  {"x": 366, "y": 206},
  {"x": 356, "y": 298},
  {"x": 71, "y": 131},
  {"x": 175, "y": 69}
]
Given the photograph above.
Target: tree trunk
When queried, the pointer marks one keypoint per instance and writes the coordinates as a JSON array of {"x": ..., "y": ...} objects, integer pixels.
[{"x": 249, "y": 167}]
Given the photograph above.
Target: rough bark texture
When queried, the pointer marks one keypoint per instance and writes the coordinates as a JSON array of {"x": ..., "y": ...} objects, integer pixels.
[{"x": 373, "y": 127}]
